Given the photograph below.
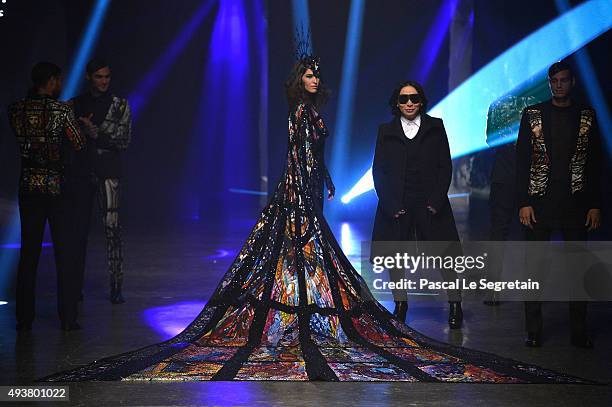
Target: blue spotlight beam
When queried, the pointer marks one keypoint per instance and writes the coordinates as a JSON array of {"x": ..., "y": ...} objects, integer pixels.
[
  {"x": 430, "y": 48},
  {"x": 347, "y": 88},
  {"x": 261, "y": 34},
  {"x": 589, "y": 79},
  {"x": 301, "y": 18},
  {"x": 247, "y": 191},
  {"x": 365, "y": 184},
  {"x": 140, "y": 95},
  {"x": 464, "y": 110},
  {"x": 88, "y": 42}
]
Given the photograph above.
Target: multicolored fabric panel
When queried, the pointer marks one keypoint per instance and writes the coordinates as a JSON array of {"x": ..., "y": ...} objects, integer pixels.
[
  {"x": 41, "y": 125},
  {"x": 292, "y": 307}
]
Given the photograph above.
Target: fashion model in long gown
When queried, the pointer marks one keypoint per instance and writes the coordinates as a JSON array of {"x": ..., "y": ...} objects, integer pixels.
[{"x": 292, "y": 307}]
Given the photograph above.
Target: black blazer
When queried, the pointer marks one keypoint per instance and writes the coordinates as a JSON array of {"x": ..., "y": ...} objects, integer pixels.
[
  {"x": 389, "y": 171},
  {"x": 589, "y": 196}
]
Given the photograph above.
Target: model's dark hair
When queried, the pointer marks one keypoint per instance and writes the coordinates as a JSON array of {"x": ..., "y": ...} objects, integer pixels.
[
  {"x": 296, "y": 92},
  {"x": 560, "y": 66},
  {"x": 393, "y": 99},
  {"x": 42, "y": 72},
  {"x": 96, "y": 64}
]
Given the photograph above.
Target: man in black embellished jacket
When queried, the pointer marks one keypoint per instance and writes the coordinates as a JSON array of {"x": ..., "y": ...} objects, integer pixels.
[
  {"x": 106, "y": 121},
  {"x": 559, "y": 182},
  {"x": 43, "y": 127}
]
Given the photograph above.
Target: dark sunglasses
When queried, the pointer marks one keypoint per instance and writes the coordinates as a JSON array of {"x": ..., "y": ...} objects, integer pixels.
[{"x": 414, "y": 98}]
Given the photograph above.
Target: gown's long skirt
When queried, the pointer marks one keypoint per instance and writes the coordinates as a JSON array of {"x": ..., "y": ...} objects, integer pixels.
[{"x": 292, "y": 307}]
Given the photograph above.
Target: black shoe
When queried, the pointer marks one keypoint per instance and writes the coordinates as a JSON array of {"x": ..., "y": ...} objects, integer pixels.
[
  {"x": 115, "y": 292},
  {"x": 533, "y": 340},
  {"x": 400, "y": 311},
  {"x": 455, "y": 315},
  {"x": 23, "y": 327},
  {"x": 582, "y": 342},
  {"x": 70, "y": 326}
]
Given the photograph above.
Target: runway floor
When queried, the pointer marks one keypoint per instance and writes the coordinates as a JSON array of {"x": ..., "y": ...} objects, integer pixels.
[{"x": 170, "y": 273}]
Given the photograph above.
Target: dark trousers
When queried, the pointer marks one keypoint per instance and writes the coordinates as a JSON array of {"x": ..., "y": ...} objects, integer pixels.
[
  {"x": 416, "y": 225},
  {"x": 81, "y": 198},
  {"x": 542, "y": 231},
  {"x": 503, "y": 213},
  {"x": 502, "y": 210},
  {"x": 82, "y": 194},
  {"x": 34, "y": 213}
]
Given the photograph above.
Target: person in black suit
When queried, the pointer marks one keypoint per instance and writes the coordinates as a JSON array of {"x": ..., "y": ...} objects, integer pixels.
[
  {"x": 558, "y": 166},
  {"x": 43, "y": 125},
  {"x": 412, "y": 172}
]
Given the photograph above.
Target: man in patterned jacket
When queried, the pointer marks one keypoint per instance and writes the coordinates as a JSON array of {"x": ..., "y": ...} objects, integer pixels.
[
  {"x": 42, "y": 126},
  {"x": 559, "y": 182},
  {"x": 106, "y": 121}
]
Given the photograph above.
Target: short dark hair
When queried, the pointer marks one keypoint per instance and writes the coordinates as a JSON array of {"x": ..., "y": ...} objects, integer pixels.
[
  {"x": 96, "y": 64},
  {"x": 560, "y": 66},
  {"x": 393, "y": 99},
  {"x": 42, "y": 72}
]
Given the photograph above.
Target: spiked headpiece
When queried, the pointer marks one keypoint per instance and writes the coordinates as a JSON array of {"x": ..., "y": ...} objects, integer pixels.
[{"x": 303, "y": 51}]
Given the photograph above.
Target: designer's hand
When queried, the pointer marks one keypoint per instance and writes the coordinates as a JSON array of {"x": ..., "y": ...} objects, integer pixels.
[
  {"x": 593, "y": 219},
  {"x": 527, "y": 216}
]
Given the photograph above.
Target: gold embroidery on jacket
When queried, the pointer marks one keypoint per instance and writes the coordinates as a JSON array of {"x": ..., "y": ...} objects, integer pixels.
[
  {"x": 578, "y": 162},
  {"x": 540, "y": 162}
]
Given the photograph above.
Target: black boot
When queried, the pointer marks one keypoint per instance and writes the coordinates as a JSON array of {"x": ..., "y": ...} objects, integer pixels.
[
  {"x": 115, "y": 292},
  {"x": 400, "y": 311},
  {"x": 455, "y": 315}
]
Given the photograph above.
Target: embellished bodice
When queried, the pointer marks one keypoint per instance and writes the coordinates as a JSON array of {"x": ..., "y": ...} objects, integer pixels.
[{"x": 306, "y": 153}]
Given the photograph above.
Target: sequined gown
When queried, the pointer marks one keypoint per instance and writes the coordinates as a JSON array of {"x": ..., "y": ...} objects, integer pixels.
[{"x": 292, "y": 307}]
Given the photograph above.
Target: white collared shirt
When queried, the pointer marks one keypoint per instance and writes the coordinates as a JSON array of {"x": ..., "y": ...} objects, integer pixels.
[{"x": 411, "y": 127}]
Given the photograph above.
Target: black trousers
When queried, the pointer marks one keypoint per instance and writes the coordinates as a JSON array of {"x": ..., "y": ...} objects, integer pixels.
[
  {"x": 503, "y": 214},
  {"x": 570, "y": 231},
  {"x": 503, "y": 211},
  {"x": 35, "y": 212},
  {"x": 416, "y": 226},
  {"x": 81, "y": 197},
  {"x": 83, "y": 193}
]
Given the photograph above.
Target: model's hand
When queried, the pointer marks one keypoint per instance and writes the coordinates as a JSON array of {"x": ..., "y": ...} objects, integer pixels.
[
  {"x": 399, "y": 213},
  {"x": 527, "y": 216},
  {"x": 593, "y": 219},
  {"x": 431, "y": 209},
  {"x": 90, "y": 129}
]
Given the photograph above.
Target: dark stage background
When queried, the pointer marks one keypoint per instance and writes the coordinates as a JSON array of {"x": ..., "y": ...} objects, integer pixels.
[{"x": 206, "y": 78}]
